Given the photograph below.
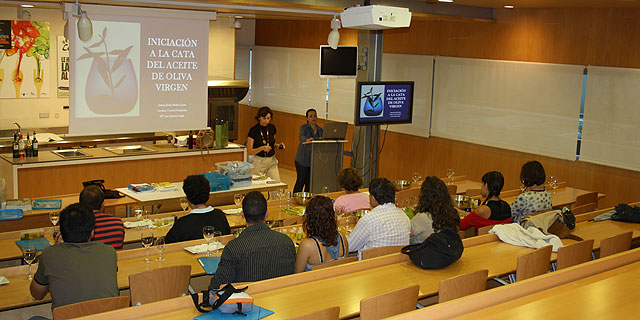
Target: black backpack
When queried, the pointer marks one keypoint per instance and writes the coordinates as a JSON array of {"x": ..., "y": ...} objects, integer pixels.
[
  {"x": 626, "y": 213},
  {"x": 439, "y": 250}
]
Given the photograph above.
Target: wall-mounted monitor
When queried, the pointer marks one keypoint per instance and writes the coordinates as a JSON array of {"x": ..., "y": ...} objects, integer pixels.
[
  {"x": 338, "y": 63},
  {"x": 384, "y": 102}
]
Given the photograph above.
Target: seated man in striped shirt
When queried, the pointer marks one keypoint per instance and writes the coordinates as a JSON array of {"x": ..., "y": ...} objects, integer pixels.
[
  {"x": 385, "y": 225},
  {"x": 108, "y": 229},
  {"x": 258, "y": 253}
]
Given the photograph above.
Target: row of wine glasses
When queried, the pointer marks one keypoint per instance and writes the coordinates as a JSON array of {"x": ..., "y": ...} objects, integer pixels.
[
  {"x": 147, "y": 240},
  {"x": 284, "y": 197},
  {"x": 553, "y": 183},
  {"x": 209, "y": 233}
]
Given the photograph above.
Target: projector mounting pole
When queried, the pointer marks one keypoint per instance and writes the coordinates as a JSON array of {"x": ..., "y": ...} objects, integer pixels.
[{"x": 375, "y": 74}]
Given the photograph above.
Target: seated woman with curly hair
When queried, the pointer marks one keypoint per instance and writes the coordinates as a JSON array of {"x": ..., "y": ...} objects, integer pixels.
[
  {"x": 324, "y": 242},
  {"x": 436, "y": 211},
  {"x": 349, "y": 179}
]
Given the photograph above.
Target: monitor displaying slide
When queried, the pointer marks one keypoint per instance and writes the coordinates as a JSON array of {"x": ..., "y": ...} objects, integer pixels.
[
  {"x": 138, "y": 74},
  {"x": 387, "y": 102}
]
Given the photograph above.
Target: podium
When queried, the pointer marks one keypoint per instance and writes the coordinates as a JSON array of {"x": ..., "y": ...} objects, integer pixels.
[{"x": 326, "y": 163}]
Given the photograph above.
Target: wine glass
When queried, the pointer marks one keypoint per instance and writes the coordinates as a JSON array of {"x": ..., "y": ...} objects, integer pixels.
[
  {"x": 416, "y": 177},
  {"x": 450, "y": 175},
  {"x": 237, "y": 199},
  {"x": 217, "y": 243},
  {"x": 54, "y": 217},
  {"x": 147, "y": 239},
  {"x": 29, "y": 254},
  {"x": 160, "y": 248},
  {"x": 280, "y": 194},
  {"x": 288, "y": 197},
  {"x": 208, "y": 234},
  {"x": 184, "y": 204}
]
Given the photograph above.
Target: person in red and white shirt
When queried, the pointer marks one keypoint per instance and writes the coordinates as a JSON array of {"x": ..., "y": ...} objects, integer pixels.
[{"x": 108, "y": 229}]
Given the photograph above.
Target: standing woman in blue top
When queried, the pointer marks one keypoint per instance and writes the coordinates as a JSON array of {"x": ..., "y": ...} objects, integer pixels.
[
  {"x": 261, "y": 143},
  {"x": 308, "y": 132}
]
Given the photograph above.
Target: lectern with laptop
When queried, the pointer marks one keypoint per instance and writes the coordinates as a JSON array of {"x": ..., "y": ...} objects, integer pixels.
[{"x": 326, "y": 157}]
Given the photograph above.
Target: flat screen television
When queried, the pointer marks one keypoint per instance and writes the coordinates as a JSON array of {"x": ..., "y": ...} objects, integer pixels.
[
  {"x": 339, "y": 63},
  {"x": 384, "y": 102}
]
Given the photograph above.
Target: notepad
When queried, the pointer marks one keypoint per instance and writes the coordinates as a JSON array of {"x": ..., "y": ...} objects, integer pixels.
[
  {"x": 254, "y": 314},
  {"x": 39, "y": 243},
  {"x": 209, "y": 264}
]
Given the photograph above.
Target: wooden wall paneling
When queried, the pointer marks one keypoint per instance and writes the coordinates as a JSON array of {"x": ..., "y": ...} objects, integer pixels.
[
  {"x": 581, "y": 36},
  {"x": 300, "y": 33},
  {"x": 47, "y": 181}
]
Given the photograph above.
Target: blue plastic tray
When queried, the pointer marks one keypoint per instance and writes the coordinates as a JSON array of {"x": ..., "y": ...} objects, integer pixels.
[{"x": 10, "y": 214}]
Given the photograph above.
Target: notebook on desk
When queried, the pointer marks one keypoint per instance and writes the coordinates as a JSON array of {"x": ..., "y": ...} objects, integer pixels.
[{"x": 334, "y": 130}]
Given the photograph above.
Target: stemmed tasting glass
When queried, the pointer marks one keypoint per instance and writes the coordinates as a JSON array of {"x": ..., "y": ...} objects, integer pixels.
[
  {"x": 325, "y": 190},
  {"x": 450, "y": 175},
  {"x": 147, "y": 240},
  {"x": 184, "y": 204},
  {"x": 218, "y": 244},
  {"x": 288, "y": 197},
  {"x": 54, "y": 217},
  {"x": 29, "y": 254},
  {"x": 553, "y": 184},
  {"x": 280, "y": 194},
  {"x": 208, "y": 234},
  {"x": 416, "y": 177},
  {"x": 237, "y": 199},
  {"x": 138, "y": 213},
  {"x": 160, "y": 248}
]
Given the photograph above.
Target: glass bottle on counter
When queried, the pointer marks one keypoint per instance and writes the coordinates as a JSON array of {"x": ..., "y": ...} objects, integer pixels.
[
  {"x": 21, "y": 146},
  {"x": 34, "y": 146},
  {"x": 27, "y": 146},
  {"x": 16, "y": 147}
]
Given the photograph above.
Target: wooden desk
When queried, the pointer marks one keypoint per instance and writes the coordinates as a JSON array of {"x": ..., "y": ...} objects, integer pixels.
[
  {"x": 562, "y": 197},
  {"x": 40, "y": 218},
  {"x": 609, "y": 295}
]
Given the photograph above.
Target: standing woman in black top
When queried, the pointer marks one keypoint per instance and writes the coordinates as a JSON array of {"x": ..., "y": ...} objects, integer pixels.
[
  {"x": 308, "y": 132},
  {"x": 261, "y": 143}
]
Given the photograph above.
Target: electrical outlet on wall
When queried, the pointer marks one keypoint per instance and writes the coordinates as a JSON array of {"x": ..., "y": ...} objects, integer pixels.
[
  {"x": 44, "y": 115},
  {"x": 56, "y": 115}
]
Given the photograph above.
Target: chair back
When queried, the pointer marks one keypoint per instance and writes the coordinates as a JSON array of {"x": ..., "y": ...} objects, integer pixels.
[
  {"x": 407, "y": 194},
  {"x": 159, "y": 284},
  {"x": 335, "y": 263},
  {"x": 292, "y": 221},
  {"x": 467, "y": 233},
  {"x": 389, "y": 304},
  {"x": 484, "y": 230},
  {"x": 615, "y": 244},
  {"x": 452, "y": 189},
  {"x": 584, "y": 208},
  {"x": 473, "y": 192},
  {"x": 533, "y": 264},
  {"x": 574, "y": 254},
  {"x": 462, "y": 285},
  {"x": 86, "y": 308},
  {"x": 591, "y": 197},
  {"x": 326, "y": 314},
  {"x": 380, "y": 251}
]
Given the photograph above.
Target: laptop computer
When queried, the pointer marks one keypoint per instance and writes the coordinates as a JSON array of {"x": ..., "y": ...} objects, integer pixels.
[{"x": 334, "y": 130}]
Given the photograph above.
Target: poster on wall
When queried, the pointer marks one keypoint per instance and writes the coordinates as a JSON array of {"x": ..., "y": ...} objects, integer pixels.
[
  {"x": 26, "y": 64},
  {"x": 63, "y": 67},
  {"x": 5, "y": 35}
]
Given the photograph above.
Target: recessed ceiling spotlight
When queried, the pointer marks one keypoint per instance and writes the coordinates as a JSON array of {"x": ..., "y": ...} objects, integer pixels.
[{"x": 508, "y": 7}]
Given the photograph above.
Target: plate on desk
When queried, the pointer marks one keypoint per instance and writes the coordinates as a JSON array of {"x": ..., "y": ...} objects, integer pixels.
[{"x": 202, "y": 248}]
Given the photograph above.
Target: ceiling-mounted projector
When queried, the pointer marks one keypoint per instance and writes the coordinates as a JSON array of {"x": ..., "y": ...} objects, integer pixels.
[{"x": 375, "y": 17}]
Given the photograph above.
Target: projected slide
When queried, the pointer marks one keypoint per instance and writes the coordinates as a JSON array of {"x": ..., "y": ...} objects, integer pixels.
[
  {"x": 380, "y": 102},
  {"x": 139, "y": 74}
]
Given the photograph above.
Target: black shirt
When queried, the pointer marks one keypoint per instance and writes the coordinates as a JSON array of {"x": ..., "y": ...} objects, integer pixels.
[
  {"x": 190, "y": 226},
  {"x": 500, "y": 210},
  {"x": 259, "y": 134}
]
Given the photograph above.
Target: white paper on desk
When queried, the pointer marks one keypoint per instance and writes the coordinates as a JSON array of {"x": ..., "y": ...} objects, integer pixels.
[
  {"x": 233, "y": 211},
  {"x": 4, "y": 280},
  {"x": 255, "y": 180},
  {"x": 202, "y": 248},
  {"x": 135, "y": 224}
]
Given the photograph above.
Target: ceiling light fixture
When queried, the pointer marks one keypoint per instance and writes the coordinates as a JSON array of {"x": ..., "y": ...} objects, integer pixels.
[
  {"x": 26, "y": 5},
  {"x": 85, "y": 27},
  {"x": 334, "y": 35},
  {"x": 23, "y": 14},
  {"x": 235, "y": 22},
  {"x": 508, "y": 7},
  {"x": 445, "y": 0},
  {"x": 65, "y": 17}
]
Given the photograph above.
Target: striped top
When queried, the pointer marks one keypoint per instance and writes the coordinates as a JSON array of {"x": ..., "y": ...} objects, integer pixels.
[
  {"x": 109, "y": 230},
  {"x": 258, "y": 253}
]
